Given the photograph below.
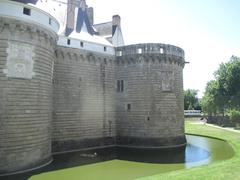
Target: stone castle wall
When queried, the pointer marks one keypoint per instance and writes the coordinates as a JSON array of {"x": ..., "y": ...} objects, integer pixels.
[
  {"x": 26, "y": 71},
  {"x": 84, "y": 100},
  {"x": 150, "y": 106},
  {"x": 55, "y": 99}
]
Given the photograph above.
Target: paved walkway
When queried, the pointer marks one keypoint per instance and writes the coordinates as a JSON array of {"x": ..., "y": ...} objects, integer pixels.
[
  {"x": 226, "y": 128},
  {"x": 216, "y": 126}
]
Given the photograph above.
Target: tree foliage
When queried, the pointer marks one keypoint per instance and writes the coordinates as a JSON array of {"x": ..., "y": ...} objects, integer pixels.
[
  {"x": 234, "y": 115},
  {"x": 190, "y": 99},
  {"x": 223, "y": 93},
  {"x": 228, "y": 77}
]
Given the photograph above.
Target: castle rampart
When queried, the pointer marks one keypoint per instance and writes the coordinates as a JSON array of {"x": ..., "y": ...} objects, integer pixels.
[
  {"x": 72, "y": 90},
  {"x": 26, "y": 70},
  {"x": 150, "y": 99},
  {"x": 84, "y": 100}
]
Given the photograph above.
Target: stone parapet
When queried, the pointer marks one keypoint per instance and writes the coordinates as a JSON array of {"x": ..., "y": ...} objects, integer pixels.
[{"x": 150, "y": 53}]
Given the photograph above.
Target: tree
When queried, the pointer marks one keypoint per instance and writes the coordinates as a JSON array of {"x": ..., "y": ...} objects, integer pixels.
[
  {"x": 212, "y": 101},
  {"x": 223, "y": 93},
  {"x": 235, "y": 116},
  {"x": 228, "y": 77},
  {"x": 190, "y": 99}
]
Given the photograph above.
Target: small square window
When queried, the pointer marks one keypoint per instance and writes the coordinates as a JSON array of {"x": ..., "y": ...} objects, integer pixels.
[
  {"x": 81, "y": 44},
  {"x": 105, "y": 48},
  {"x": 27, "y": 11},
  {"x": 139, "y": 51},
  {"x": 68, "y": 41},
  {"x": 119, "y": 53}
]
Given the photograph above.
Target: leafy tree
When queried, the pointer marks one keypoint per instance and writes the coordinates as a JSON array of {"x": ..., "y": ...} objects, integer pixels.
[
  {"x": 224, "y": 92},
  {"x": 235, "y": 116},
  {"x": 211, "y": 101},
  {"x": 228, "y": 77},
  {"x": 190, "y": 99}
]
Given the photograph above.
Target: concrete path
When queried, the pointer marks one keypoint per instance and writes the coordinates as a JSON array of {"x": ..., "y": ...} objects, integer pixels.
[
  {"x": 198, "y": 121},
  {"x": 226, "y": 128}
]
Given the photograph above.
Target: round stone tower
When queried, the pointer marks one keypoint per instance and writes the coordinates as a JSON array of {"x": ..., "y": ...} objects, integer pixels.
[
  {"x": 27, "y": 42},
  {"x": 150, "y": 96}
]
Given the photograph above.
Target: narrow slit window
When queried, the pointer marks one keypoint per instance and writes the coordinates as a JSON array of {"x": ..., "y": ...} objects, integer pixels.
[
  {"x": 118, "y": 86},
  {"x": 122, "y": 86},
  {"x": 27, "y": 11},
  {"x": 105, "y": 48},
  {"x": 129, "y": 107},
  {"x": 50, "y": 21},
  {"x": 68, "y": 41},
  {"x": 81, "y": 44}
]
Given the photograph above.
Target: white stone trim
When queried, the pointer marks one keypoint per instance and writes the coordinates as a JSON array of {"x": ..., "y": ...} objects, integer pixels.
[
  {"x": 95, "y": 47},
  {"x": 14, "y": 10}
]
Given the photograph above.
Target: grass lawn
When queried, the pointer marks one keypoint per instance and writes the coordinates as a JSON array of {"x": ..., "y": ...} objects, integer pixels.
[{"x": 225, "y": 170}]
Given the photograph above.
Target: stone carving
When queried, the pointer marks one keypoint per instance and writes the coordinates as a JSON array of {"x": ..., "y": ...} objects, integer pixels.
[
  {"x": 20, "y": 60},
  {"x": 167, "y": 80}
]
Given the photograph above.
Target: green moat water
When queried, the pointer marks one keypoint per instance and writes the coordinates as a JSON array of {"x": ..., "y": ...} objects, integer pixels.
[{"x": 132, "y": 163}]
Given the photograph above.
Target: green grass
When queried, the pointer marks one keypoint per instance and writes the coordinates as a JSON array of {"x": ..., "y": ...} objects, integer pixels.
[
  {"x": 123, "y": 170},
  {"x": 223, "y": 170},
  {"x": 108, "y": 170}
]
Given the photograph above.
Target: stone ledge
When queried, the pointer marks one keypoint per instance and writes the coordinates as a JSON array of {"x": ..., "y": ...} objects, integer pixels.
[
  {"x": 30, "y": 167},
  {"x": 69, "y": 145},
  {"x": 151, "y": 143}
]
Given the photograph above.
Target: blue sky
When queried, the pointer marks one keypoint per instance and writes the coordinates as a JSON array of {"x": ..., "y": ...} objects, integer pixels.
[{"x": 208, "y": 30}]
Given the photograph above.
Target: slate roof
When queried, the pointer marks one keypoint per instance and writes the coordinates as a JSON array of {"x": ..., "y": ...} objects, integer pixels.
[{"x": 26, "y": 1}]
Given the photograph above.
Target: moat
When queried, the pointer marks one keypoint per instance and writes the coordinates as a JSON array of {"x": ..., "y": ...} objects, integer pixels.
[{"x": 129, "y": 163}]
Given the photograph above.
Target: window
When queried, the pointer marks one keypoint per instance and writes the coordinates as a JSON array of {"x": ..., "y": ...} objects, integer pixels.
[
  {"x": 139, "y": 51},
  {"x": 129, "y": 107},
  {"x": 50, "y": 21},
  {"x": 161, "y": 50},
  {"x": 119, "y": 53},
  {"x": 81, "y": 44},
  {"x": 68, "y": 41},
  {"x": 120, "y": 86},
  {"x": 27, "y": 11},
  {"x": 105, "y": 48}
]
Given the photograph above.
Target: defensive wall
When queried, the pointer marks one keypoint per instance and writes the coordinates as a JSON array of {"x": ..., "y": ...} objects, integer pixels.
[
  {"x": 150, "y": 106},
  {"x": 57, "y": 96}
]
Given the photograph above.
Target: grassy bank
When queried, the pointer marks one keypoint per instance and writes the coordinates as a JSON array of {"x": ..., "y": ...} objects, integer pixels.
[
  {"x": 228, "y": 169},
  {"x": 124, "y": 170}
]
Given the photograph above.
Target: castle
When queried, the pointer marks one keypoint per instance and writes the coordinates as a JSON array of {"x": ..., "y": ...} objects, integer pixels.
[{"x": 68, "y": 84}]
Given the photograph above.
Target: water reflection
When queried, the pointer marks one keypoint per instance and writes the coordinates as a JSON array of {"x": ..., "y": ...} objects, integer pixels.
[{"x": 198, "y": 151}]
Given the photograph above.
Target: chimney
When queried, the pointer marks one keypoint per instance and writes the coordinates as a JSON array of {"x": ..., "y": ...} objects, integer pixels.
[
  {"x": 83, "y": 5},
  {"x": 116, "y": 20},
  {"x": 70, "y": 17},
  {"x": 117, "y": 37},
  {"x": 90, "y": 15}
]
